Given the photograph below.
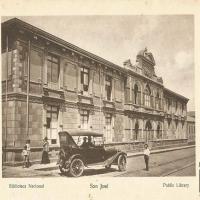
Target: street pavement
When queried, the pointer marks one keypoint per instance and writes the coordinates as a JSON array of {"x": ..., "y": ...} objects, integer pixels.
[{"x": 179, "y": 162}]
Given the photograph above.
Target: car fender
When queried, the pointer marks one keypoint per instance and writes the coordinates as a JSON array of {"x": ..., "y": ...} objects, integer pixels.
[
  {"x": 76, "y": 156},
  {"x": 114, "y": 158}
]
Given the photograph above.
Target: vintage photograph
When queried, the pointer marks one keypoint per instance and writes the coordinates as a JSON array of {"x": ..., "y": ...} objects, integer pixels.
[{"x": 98, "y": 96}]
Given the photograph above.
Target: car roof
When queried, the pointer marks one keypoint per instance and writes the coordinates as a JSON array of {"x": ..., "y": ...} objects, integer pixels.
[{"x": 82, "y": 133}]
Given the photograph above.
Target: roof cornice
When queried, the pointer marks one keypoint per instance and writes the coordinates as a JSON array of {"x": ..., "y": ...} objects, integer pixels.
[
  {"x": 175, "y": 94},
  {"x": 41, "y": 33}
]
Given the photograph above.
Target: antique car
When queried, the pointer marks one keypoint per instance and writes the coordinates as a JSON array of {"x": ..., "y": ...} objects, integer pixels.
[{"x": 76, "y": 153}]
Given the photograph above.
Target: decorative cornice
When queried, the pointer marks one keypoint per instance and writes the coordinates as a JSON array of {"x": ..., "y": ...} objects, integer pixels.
[
  {"x": 66, "y": 45},
  {"x": 51, "y": 38}
]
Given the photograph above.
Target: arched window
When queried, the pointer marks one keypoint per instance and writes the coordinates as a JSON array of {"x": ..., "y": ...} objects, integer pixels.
[
  {"x": 135, "y": 94},
  {"x": 157, "y": 100},
  {"x": 147, "y": 96},
  {"x": 169, "y": 122},
  {"x": 182, "y": 107},
  {"x": 148, "y": 125},
  {"x": 176, "y": 105},
  {"x": 176, "y": 122},
  {"x": 169, "y": 103},
  {"x": 136, "y": 130},
  {"x": 158, "y": 132},
  {"x": 182, "y": 122},
  {"x": 148, "y": 130}
]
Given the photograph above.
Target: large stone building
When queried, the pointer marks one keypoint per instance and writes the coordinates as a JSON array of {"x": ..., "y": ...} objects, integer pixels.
[{"x": 49, "y": 85}]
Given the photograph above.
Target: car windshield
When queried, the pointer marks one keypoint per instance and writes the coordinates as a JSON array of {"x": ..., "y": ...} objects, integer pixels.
[
  {"x": 66, "y": 140},
  {"x": 96, "y": 141}
]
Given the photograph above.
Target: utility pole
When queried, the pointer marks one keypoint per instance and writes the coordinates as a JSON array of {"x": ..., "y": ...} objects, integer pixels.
[{"x": 28, "y": 87}]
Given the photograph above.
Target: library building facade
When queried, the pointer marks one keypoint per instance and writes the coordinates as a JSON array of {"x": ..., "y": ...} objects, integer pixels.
[{"x": 50, "y": 85}]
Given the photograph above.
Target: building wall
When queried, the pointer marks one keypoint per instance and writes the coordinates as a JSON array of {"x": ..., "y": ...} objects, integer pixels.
[
  {"x": 191, "y": 131},
  {"x": 124, "y": 117}
]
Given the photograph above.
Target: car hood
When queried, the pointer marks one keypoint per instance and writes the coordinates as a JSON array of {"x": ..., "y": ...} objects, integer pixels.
[{"x": 111, "y": 151}]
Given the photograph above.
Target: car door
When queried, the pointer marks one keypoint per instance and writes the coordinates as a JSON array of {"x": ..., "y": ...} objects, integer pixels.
[{"x": 96, "y": 154}]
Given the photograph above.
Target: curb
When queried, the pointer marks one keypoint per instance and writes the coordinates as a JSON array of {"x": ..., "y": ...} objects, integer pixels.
[
  {"x": 161, "y": 151},
  {"x": 128, "y": 156}
]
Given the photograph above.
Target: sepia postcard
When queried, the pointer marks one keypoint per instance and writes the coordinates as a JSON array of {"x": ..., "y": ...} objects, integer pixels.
[{"x": 100, "y": 100}]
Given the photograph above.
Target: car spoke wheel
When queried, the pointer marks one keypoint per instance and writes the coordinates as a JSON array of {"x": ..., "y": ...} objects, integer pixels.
[
  {"x": 76, "y": 167},
  {"x": 122, "y": 163}
]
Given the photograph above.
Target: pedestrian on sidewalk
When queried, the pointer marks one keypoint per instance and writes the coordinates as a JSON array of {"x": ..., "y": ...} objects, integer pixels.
[
  {"x": 28, "y": 145},
  {"x": 25, "y": 157},
  {"x": 45, "y": 153},
  {"x": 146, "y": 156}
]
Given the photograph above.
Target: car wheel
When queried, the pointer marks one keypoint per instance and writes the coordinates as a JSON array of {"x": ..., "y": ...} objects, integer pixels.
[
  {"x": 121, "y": 163},
  {"x": 63, "y": 168},
  {"x": 76, "y": 167}
]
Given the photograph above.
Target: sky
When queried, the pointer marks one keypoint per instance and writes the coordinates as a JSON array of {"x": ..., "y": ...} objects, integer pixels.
[{"x": 170, "y": 38}]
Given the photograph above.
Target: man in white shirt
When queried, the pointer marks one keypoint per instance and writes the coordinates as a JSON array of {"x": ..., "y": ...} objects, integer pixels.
[{"x": 146, "y": 156}]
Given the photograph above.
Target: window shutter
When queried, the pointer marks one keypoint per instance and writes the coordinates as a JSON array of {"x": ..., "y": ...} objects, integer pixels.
[
  {"x": 36, "y": 65},
  {"x": 4, "y": 65},
  {"x": 139, "y": 97},
  {"x": 96, "y": 84},
  {"x": 102, "y": 77},
  {"x": 91, "y": 74},
  {"x": 70, "y": 76},
  {"x": 3, "y": 62},
  {"x": 118, "y": 90}
]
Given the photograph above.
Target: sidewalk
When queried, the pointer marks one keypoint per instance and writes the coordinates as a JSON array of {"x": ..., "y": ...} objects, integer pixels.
[
  {"x": 53, "y": 166},
  {"x": 129, "y": 154},
  {"x": 51, "y": 169}
]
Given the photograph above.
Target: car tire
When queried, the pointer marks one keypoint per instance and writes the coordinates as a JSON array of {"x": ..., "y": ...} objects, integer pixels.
[
  {"x": 76, "y": 167},
  {"x": 121, "y": 163},
  {"x": 62, "y": 167}
]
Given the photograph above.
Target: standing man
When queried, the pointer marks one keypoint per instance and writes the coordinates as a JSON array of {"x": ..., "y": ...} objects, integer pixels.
[
  {"x": 90, "y": 143},
  {"x": 146, "y": 156},
  {"x": 84, "y": 144}
]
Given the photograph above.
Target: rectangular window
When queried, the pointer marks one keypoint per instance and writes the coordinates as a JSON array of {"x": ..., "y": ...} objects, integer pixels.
[
  {"x": 176, "y": 105},
  {"x": 147, "y": 100},
  {"x": 108, "y": 122},
  {"x": 52, "y": 124},
  {"x": 182, "y": 106},
  {"x": 108, "y": 87},
  {"x": 23, "y": 57},
  {"x": 36, "y": 63},
  {"x": 52, "y": 68},
  {"x": 157, "y": 103},
  {"x": 84, "y": 117},
  {"x": 168, "y": 104},
  {"x": 85, "y": 78},
  {"x": 4, "y": 65}
]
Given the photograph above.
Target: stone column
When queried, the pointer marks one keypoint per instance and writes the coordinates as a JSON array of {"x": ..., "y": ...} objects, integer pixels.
[
  {"x": 45, "y": 68},
  {"x": 44, "y": 122},
  {"x": 113, "y": 89},
  {"x": 17, "y": 69},
  {"x": 142, "y": 129},
  {"x": 130, "y": 86},
  {"x": 91, "y": 75},
  {"x": 78, "y": 80},
  {"x": 61, "y": 74}
]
